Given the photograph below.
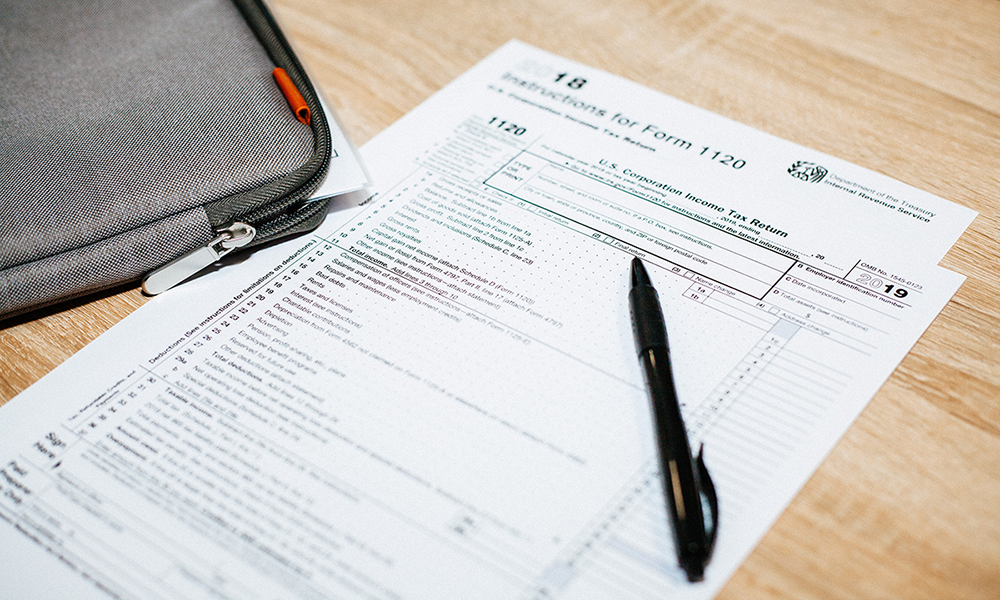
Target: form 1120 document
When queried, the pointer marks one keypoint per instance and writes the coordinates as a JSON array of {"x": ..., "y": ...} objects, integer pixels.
[{"x": 436, "y": 394}]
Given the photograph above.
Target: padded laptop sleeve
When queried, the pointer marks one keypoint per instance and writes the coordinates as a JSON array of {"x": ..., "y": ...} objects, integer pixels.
[{"x": 134, "y": 132}]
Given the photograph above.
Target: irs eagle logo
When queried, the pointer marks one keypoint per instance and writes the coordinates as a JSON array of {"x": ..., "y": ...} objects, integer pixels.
[{"x": 807, "y": 171}]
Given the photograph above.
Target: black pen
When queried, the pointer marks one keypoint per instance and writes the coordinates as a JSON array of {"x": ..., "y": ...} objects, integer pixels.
[{"x": 685, "y": 482}]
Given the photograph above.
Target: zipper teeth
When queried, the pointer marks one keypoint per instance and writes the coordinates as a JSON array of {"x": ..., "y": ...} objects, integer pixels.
[
  {"x": 264, "y": 215},
  {"x": 266, "y": 29},
  {"x": 269, "y": 228}
]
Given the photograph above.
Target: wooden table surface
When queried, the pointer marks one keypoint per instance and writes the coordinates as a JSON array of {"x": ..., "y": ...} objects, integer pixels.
[{"x": 908, "y": 503}]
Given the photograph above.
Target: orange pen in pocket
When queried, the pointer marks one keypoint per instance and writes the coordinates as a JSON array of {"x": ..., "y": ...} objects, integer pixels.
[{"x": 295, "y": 99}]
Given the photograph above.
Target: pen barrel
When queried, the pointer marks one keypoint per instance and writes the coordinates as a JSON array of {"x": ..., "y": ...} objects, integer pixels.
[
  {"x": 647, "y": 318},
  {"x": 680, "y": 483},
  {"x": 676, "y": 463}
]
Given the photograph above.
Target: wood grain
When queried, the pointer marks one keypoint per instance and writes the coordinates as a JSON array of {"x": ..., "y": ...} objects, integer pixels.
[{"x": 907, "y": 505}]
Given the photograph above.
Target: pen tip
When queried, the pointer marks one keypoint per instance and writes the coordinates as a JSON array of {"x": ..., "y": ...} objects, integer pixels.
[
  {"x": 695, "y": 573},
  {"x": 639, "y": 275}
]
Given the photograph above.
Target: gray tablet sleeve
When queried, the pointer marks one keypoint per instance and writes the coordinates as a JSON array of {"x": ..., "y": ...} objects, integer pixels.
[{"x": 134, "y": 132}]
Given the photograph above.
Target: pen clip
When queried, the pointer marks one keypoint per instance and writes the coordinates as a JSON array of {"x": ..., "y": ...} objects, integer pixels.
[{"x": 706, "y": 489}]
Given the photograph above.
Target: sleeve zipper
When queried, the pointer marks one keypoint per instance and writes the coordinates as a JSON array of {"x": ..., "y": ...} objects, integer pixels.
[{"x": 229, "y": 238}]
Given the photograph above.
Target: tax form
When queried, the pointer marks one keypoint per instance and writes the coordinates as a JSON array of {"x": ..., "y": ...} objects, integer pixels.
[{"x": 436, "y": 394}]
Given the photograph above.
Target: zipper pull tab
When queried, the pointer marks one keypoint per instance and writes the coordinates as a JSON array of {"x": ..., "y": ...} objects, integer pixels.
[{"x": 230, "y": 238}]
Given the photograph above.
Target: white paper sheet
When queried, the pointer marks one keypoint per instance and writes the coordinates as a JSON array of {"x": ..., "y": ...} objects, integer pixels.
[
  {"x": 346, "y": 173},
  {"x": 436, "y": 395}
]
